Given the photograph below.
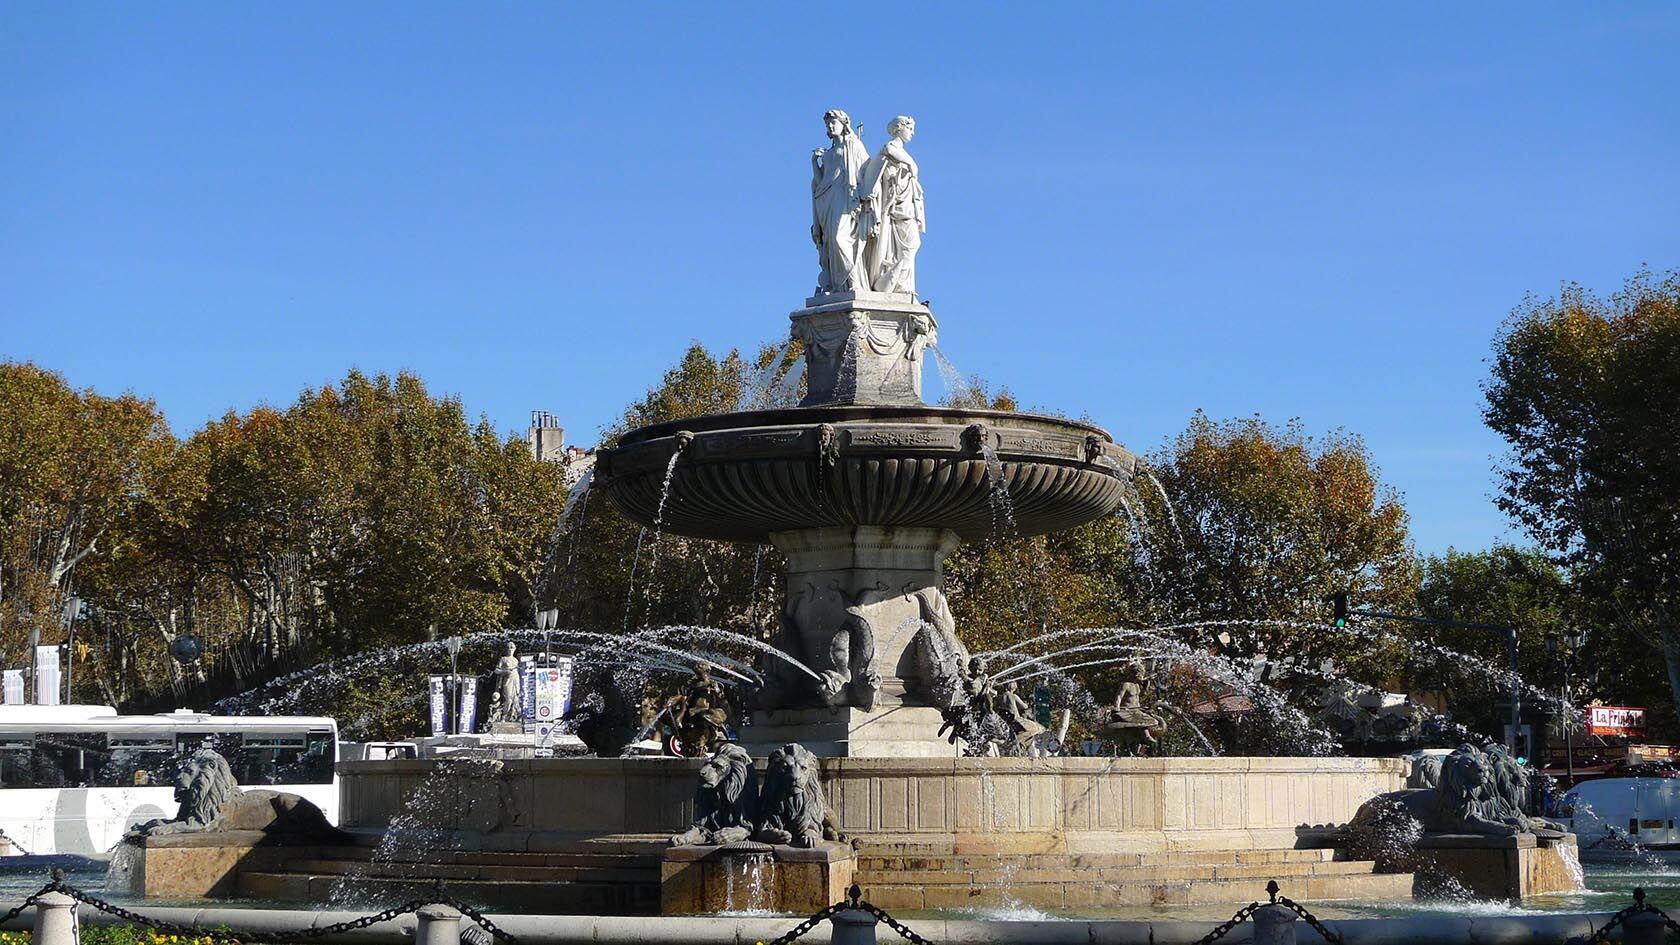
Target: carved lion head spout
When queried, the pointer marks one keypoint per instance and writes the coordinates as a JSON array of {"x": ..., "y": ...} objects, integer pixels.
[
  {"x": 725, "y": 801},
  {"x": 793, "y": 810}
]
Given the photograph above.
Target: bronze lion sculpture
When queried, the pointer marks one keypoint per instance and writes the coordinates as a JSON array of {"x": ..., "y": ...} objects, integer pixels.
[
  {"x": 726, "y": 800},
  {"x": 793, "y": 809},
  {"x": 211, "y": 800}
]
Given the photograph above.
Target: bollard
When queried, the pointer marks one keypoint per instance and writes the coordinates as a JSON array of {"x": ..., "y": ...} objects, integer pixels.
[
  {"x": 1644, "y": 928},
  {"x": 438, "y": 925},
  {"x": 55, "y": 920},
  {"x": 852, "y": 927},
  {"x": 1274, "y": 925}
]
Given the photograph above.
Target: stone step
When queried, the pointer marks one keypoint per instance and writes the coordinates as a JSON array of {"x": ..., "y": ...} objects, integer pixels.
[
  {"x": 869, "y": 858},
  {"x": 1087, "y": 894},
  {"x": 620, "y": 873},
  {"x": 1186, "y": 872},
  {"x": 573, "y": 897},
  {"x": 489, "y": 857}
]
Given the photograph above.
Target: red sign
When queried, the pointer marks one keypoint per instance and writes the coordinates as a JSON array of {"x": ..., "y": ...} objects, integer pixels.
[{"x": 1615, "y": 720}]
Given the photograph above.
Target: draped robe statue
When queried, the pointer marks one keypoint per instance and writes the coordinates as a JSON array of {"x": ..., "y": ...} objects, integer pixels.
[
  {"x": 892, "y": 211},
  {"x": 835, "y": 175}
]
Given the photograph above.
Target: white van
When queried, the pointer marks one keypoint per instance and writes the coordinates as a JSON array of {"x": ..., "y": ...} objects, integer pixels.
[{"x": 1608, "y": 812}]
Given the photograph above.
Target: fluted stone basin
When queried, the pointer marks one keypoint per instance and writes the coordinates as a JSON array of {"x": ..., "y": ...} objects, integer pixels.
[{"x": 746, "y": 476}]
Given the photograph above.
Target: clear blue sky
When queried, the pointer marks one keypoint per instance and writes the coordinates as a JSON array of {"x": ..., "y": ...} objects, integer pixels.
[{"x": 1134, "y": 211}]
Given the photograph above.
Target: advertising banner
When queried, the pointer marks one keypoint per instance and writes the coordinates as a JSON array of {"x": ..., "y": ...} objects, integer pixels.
[
  {"x": 439, "y": 706},
  {"x": 14, "y": 686},
  {"x": 467, "y": 713},
  {"x": 552, "y": 694},
  {"x": 1621, "y": 720},
  {"x": 46, "y": 675},
  {"x": 528, "y": 693}
]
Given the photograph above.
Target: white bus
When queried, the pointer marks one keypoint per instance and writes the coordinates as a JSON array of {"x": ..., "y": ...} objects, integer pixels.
[{"x": 74, "y": 778}]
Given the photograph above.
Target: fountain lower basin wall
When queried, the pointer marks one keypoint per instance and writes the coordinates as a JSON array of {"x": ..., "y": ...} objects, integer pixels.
[{"x": 1049, "y": 805}]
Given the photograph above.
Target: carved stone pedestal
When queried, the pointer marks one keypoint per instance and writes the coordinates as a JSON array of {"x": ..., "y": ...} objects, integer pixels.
[
  {"x": 1484, "y": 867},
  {"x": 852, "y": 591},
  {"x": 191, "y": 865},
  {"x": 899, "y": 731},
  {"x": 754, "y": 876},
  {"x": 864, "y": 347}
]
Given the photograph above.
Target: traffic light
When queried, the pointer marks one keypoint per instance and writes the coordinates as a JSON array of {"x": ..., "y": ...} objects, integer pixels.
[{"x": 1338, "y": 601}]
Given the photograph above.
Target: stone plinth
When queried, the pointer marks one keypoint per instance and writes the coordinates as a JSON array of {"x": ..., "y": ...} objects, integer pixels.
[
  {"x": 754, "y": 876},
  {"x": 863, "y": 347},
  {"x": 896, "y": 731},
  {"x": 1484, "y": 867},
  {"x": 1039, "y": 806},
  {"x": 191, "y": 865}
]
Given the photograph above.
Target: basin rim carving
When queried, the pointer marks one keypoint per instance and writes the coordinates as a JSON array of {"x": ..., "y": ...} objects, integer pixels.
[{"x": 744, "y": 476}]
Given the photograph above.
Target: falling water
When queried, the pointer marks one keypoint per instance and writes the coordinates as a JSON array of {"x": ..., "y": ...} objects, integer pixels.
[
  {"x": 746, "y": 889},
  {"x": 956, "y": 387},
  {"x": 758, "y": 390},
  {"x": 1003, "y": 504},
  {"x": 787, "y": 392},
  {"x": 653, "y": 550}
]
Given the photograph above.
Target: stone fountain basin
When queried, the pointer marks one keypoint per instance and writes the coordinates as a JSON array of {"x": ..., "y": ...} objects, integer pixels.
[{"x": 743, "y": 476}]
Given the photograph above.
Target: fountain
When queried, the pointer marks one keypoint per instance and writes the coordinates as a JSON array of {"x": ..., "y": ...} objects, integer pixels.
[{"x": 866, "y": 489}]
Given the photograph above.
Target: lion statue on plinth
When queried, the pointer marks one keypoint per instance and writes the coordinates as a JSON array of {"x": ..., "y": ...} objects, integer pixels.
[
  {"x": 1474, "y": 795},
  {"x": 725, "y": 802},
  {"x": 793, "y": 809},
  {"x": 212, "y": 801}
]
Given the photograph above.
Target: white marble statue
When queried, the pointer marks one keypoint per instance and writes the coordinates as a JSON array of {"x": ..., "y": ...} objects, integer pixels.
[
  {"x": 891, "y": 211},
  {"x": 835, "y": 173}
]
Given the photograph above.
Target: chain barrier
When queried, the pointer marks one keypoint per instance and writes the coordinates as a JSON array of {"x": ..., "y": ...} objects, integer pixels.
[
  {"x": 1639, "y": 907},
  {"x": 1300, "y": 910},
  {"x": 854, "y": 901},
  {"x": 440, "y": 896},
  {"x": 1224, "y": 928}
]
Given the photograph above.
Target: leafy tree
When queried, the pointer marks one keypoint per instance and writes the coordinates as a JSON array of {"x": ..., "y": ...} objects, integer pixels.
[
  {"x": 1586, "y": 392},
  {"x": 73, "y": 465}
]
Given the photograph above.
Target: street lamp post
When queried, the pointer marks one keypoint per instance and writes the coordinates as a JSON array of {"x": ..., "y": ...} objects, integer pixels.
[
  {"x": 453, "y": 645},
  {"x": 1565, "y": 650},
  {"x": 72, "y": 610}
]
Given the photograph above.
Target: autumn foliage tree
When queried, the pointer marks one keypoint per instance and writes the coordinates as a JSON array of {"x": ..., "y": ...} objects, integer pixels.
[{"x": 1586, "y": 392}]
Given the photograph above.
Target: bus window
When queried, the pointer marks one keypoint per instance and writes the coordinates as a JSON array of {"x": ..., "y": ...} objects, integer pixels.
[
  {"x": 289, "y": 758},
  {"x": 141, "y": 761},
  {"x": 17, "y": 759},
  {"x": 68, "y": 759}
]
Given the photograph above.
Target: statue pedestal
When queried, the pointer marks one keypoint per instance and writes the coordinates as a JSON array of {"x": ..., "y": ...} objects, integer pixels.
[
  {"x": 864, "y": 347},
  {"x": 192, "y": 865},
  {"x": 754, "y": 876},
  {"x": 896, "y": 731},
  {"x": 1449, "y": 865}
]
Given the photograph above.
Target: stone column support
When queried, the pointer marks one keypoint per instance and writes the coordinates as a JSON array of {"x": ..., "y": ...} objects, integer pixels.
[
  {"x": 874, "y": 570},
  {"x": 852, "y": 927},
  {"x": 55, "y": 920},
  {"x": 437, "y": 924},
  {"x": 1274, "y": 925}
]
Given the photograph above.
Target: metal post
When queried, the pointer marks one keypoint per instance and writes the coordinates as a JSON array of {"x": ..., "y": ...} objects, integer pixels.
[
  {"x": 55, "y": 920},
  {"x": 438, "y": 925},
  {"x": 1641, "y": 928},
  {"x": 1516, "y": 692},
  {"x": 1274, "y": 925},
  {"x": 852, "y": 927},
  {"x": 1568, "y": 718}
]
